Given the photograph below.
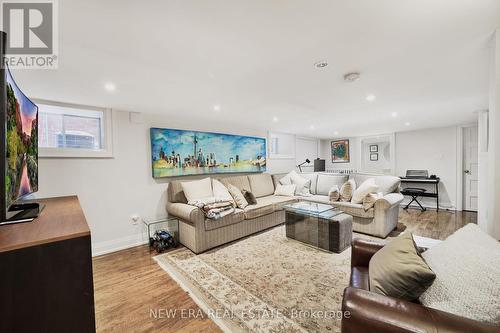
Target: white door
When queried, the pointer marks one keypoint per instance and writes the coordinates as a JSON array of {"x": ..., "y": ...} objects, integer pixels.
[{"x": 470, "y": 168}]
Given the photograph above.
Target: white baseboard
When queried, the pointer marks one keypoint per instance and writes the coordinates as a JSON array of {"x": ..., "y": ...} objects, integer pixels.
[
  {"x": 118, "y": 244},
  {"x": 429, "y": 206}
]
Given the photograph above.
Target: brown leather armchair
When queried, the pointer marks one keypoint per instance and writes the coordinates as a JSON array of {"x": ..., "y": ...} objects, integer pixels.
[{"x": 372, "y": 312}]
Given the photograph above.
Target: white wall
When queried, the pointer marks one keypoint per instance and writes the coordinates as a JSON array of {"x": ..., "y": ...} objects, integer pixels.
[
  {"x": 434, "y": 150},
  {"x": 431, "y": 149},
  {"x": 383, "y": 164},
  {"x": 326, "y": 153},
  {"x": 111, "y": 190},
  {"x": 306, "y": 148}
]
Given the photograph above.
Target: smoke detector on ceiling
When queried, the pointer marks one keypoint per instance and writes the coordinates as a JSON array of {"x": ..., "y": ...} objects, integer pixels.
[
  {"x": 321, "y": 64},
  {"x": 351, "y": 77}
]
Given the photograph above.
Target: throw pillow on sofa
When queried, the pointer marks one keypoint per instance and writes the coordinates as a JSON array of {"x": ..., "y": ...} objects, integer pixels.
[
  {"x": 238, "y": 197},
  {"x": 198, "y": 189},
  {"x": 397, "y": 270},
  {"x": 285, "y": 190},
  {"x": 334, "y": 193},
  {"x": 467, "y": 267},
  {"x": 221, "y": 192},
  {"x": 369, "y": 200},
  {"x": 347, "y": 189},
  {"x": 249, "y": 197},
  {"x": 302, "y": 185},
  {"x": 368, "y": 186},
  {"x": 287, "y": 179}
]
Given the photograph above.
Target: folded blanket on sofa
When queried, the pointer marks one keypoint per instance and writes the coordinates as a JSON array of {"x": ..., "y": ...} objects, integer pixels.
[{"x": 214, "y": 208}]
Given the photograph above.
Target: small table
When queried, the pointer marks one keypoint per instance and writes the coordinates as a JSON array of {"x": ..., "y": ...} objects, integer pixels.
[
  {"x": 170, "y": 224},
  {"x": 319, "y": 225}
]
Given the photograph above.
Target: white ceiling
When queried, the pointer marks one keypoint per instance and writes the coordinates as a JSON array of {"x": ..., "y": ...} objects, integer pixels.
[{"x": 427, "y": 60}]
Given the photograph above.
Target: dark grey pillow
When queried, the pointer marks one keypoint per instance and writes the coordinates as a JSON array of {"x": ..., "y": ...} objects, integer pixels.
[
  {"x": 250, "y": 198},
  {"x": 397, "y": 270}
]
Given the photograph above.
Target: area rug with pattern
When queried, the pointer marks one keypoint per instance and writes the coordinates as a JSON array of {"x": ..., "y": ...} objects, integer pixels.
[{"x": 264, "y": 283}]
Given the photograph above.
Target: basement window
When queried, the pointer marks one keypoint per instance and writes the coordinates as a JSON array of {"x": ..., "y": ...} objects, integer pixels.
[{"x": 66, "y": 130}]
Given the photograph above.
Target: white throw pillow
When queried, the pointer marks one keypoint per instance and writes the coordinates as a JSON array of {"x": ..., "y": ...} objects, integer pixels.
[
  {"x": 303, "y": 185},
  {"x": 286, "y": 190},
  {"x": 287, "y": 179},
  {"x": 198, "y": 189},
  {"x": 238, "y": 197},
  {"x": 368, "y": 186},
  {"x": 467, "y": 267},
  {"x": 221, "y": 192}
]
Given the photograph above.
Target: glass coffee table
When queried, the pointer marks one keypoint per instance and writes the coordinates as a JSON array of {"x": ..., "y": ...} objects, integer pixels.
[{"x": 320, "y": 225}]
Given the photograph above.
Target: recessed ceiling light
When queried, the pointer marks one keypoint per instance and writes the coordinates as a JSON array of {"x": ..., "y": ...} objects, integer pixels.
[
  {"x": 275, "y": 119},
  {"x": 407, "y": 123},
  {"x": 336, "y": 133},
  {"x": 351, "y": 77},
  {"x": 216, "y": 107},
  {"x": 321, "y": 64},
  {"x": 371, "y": 97},
  {"x": 394, "y": 114},
  {"x": 109, "y": 86}
]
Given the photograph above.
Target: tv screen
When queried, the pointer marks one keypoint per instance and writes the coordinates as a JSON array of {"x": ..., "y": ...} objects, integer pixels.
[{"x": 21, "y": 143}]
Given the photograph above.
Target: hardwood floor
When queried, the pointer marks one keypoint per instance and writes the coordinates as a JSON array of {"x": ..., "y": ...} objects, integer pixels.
[
  {"x": 129, "y": 284},
  {"x": 433, "y": 224}
]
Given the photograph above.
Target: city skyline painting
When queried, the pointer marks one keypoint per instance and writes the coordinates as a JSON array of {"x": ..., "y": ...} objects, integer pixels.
[{"x": 182, "y": 152}]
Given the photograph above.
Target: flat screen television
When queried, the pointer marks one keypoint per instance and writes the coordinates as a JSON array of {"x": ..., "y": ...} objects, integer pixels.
[{"x": 18, "y": 148}]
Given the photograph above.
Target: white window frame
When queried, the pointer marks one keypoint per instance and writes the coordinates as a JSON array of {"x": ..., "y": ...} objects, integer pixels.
[
  {"x": 291, "y": 140},
  {"x": 107, "y": 137}
]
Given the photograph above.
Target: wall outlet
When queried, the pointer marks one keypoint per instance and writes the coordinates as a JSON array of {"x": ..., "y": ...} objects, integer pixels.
[{"x": 135, "y": 219}]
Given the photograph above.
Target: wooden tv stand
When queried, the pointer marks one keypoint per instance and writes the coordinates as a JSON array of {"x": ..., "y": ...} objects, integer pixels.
[{"x": 46, "y": 282}]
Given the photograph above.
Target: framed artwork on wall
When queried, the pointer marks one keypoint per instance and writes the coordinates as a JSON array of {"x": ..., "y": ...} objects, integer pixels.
[
  {"x": 340, "y": 151},
  {"x": 182, "y": 152},
  {"x": 374, "y": 157},
  {"x": 373, "y": 148}
]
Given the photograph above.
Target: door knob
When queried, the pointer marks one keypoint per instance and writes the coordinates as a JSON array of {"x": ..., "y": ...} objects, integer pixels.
[{"x": 467, "y": 172}]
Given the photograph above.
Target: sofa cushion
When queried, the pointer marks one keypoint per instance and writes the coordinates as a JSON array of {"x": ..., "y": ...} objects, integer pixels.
[
  {"x": 324, "y": 199},
  {"x": 221, "y": 192},
  {"x": 260, "y": 209},
  {"x": 313, "y": 177},
  {"x": 238, "y": 197},
  {"x": 354, "y": 209},
  {"x": 326, "y": 181},
  {"x": 467, "y": 267},
  {"x": 261, "y": 185},
  {"x": 175, "y": 192},
  {"x": 276, "y": 201},
  {"x": 287, "y": 178},
  {"x": 347, "y": 190},
  {"x": 276, "y": 178},
  {"x": 229, "y": 219},
  {"x": 240, "y": 182},
  {"x": 198, "y": 189},
  {"x": 370, "y": 199},
  {"x": 397, "y": 270},
  {"x": 303, "y": 185},
  {"x": 334, "y": 193},
  {"x": 285, "y": 190},
  {"x": 387, "y": 184},
  {"x": 368, "y": 186},
  {"x": 249, "y": 197}
]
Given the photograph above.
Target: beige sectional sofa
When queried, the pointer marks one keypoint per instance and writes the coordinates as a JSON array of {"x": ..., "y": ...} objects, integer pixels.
[{"x": 200, "y": 234}]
